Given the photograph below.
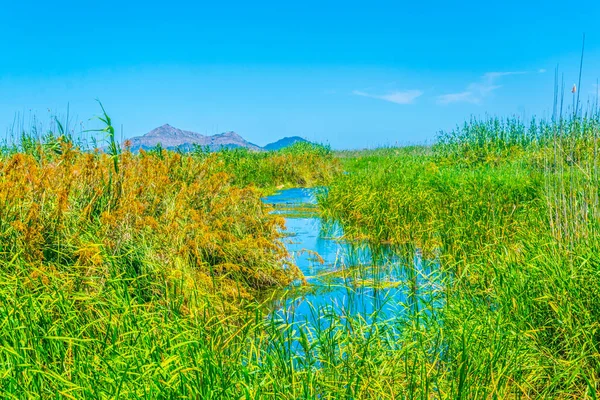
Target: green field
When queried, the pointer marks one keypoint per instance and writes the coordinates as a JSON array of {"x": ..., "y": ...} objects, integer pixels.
[{"x": 152, "y": 275}]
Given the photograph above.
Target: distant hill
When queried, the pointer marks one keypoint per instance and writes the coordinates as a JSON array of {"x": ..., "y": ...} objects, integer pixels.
[
  {"x": 285, "y": 142},
  {"x": 173, "y": 138}
]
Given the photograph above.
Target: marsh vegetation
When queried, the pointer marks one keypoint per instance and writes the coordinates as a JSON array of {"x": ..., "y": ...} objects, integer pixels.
[{"x": 467, "y": 269}]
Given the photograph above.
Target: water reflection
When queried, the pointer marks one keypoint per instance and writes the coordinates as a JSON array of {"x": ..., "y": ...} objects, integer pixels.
[{"x": 345, "y": 279}]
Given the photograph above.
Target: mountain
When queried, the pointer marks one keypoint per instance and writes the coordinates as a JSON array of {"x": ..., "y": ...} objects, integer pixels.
[
  {"x": 285, "y": 142},
  {"x": 176, "y": 139},
  {"x": 172, "y": 138},
  {"x": 230, "y": 139}
]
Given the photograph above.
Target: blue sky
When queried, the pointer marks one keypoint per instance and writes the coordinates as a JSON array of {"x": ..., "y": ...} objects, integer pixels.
[{"x": 352, "y": 74}]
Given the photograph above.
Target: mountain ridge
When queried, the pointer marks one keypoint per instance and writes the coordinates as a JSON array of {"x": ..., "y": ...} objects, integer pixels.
[
  {"x": 173, "y": 138},
  {"x": 284, "y": 142}
]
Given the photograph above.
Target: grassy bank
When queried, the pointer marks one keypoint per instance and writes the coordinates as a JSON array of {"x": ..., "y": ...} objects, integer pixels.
[
  {"x": 299, "y": 165},
  {"x": 510, "y": 212},
  {"x": 136, "y": 275}
]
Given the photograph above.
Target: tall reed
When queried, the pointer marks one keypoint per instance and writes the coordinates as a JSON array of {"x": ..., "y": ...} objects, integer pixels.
[{"x": 510, "y": 211}]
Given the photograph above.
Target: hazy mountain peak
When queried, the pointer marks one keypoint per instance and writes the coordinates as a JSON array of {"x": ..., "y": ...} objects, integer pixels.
[
  {"x": 284, "y": 142},
  {"x": 167, "y": 130},
  {"x": 228, "y": 135},
  {"x": 173, "y": 138}
]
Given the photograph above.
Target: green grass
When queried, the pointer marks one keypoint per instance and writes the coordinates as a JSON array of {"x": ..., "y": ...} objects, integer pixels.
[
  {"x": 148, "y": 275},
  {"x": 299, "y": 165},
  {"x": 512, "y": 216}
]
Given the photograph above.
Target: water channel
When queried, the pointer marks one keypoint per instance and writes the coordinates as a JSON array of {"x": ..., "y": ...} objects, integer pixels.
[{"x": 344, "y": 279}]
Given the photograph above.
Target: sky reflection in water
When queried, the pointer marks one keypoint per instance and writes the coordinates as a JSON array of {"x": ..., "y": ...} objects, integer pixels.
[{"x": 345, "y": 280}]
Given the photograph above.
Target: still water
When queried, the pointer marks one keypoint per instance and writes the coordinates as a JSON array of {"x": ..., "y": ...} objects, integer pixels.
[{"x": 346, "y": 279}]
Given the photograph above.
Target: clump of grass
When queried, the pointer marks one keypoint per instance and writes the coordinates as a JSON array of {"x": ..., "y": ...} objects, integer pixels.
[
  {"x": 154, "y": 292},
  {"x": 511, "y": 213},
  {"x": 299, "y": 165},
  {"x": 138, "y": 275}
]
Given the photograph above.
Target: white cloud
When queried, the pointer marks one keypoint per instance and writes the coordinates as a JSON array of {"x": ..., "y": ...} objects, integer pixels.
[
  {"x": 496, "y": 75},
  {"x": 462, "y": 97},
  {"x": 541, "y": 70},
  {"x": 475, "y": 92},
  {"x": 398, "y": 97}
]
